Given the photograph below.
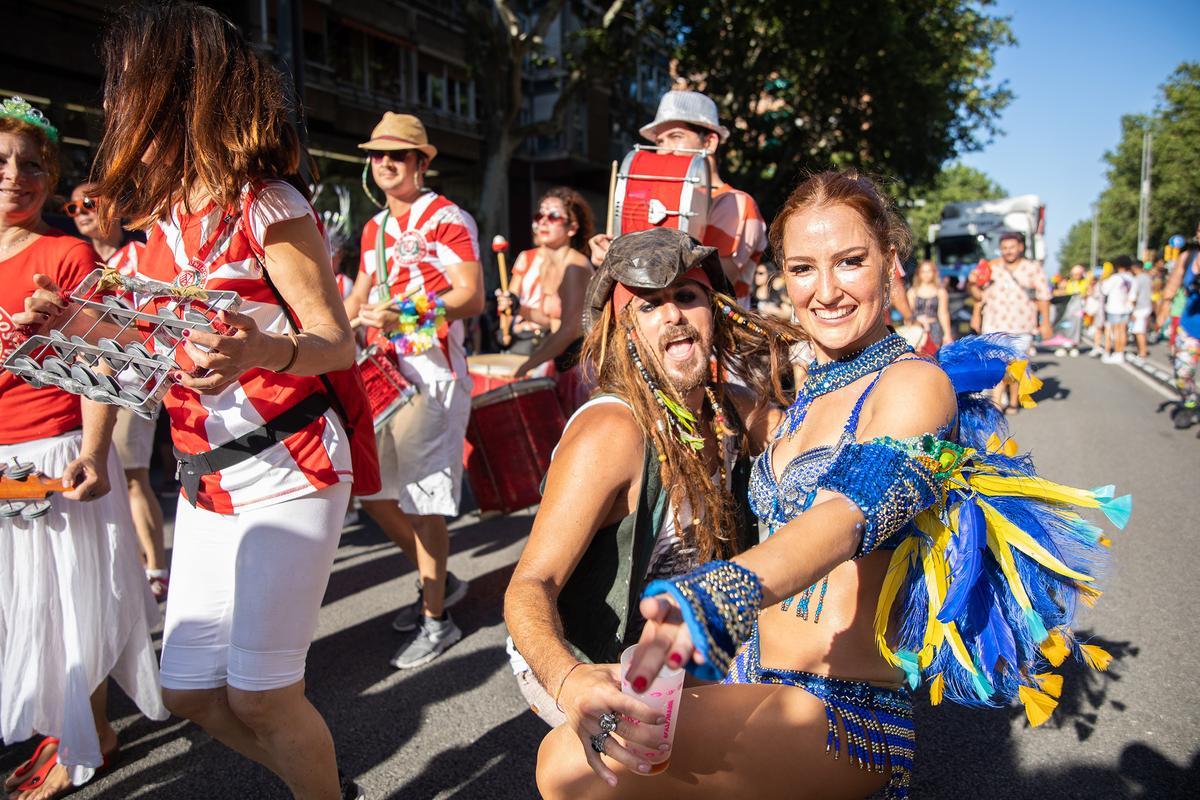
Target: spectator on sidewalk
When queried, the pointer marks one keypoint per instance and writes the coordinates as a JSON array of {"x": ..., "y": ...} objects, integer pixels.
[
  {"x": 1120, "y": 294},
  {"x": 1143, "y": 307}
]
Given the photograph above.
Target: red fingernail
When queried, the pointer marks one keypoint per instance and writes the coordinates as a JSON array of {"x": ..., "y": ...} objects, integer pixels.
[
  {"x": 674, "y": 659},
  {"x": 186, "y": 333},
  {"x": 639, "y": 684}
]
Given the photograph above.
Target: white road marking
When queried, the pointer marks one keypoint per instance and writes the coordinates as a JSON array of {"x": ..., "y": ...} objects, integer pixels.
[{"x": 1153, "y": 384}]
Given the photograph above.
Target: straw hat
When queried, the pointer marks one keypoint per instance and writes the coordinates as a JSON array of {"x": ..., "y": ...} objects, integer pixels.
[
  {"x": 400, "y": 132},
  {"x": 679, "y": 106}
]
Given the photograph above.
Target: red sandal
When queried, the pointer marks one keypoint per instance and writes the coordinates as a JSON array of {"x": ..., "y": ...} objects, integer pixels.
[
  {"x": 22, "y": 772},
  {"x": 39, "y": 776}
]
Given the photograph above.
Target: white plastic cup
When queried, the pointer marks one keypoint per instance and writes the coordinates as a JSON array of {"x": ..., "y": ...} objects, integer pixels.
[{"x": 663, "y": 695}]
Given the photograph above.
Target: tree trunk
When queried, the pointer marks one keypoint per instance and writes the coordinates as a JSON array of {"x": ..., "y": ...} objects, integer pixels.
[{"x": 493, "y": 205}]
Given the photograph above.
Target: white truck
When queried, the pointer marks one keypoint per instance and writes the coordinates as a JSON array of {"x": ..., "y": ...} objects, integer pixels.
[{"x": 970, "y": 230}]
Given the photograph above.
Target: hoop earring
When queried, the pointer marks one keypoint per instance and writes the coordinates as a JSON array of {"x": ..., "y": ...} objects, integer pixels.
[
  {"x": 367, "y": 189},
  {"x": 795, "y": 320}
]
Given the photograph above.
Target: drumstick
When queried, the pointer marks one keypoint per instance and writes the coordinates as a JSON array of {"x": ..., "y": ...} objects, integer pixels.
[
  {"x": 499, "y": 245},
  {"x": 612, "y": 196}
]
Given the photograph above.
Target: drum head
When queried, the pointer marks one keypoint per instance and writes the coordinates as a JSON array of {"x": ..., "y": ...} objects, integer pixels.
[{"x": 497, "y": 364}]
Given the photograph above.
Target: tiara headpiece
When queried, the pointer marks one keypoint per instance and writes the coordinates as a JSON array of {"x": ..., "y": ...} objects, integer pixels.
[{"x": 19, "y": 108}]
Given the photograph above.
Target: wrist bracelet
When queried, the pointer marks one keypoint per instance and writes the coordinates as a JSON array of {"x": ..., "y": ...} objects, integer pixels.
[
  {"x": 295, "y": 352},
  {"x": 563, "y": 683}
]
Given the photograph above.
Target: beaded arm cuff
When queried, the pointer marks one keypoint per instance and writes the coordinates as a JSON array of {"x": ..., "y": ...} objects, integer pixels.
[
  {"x": 720, "y": 602},
  {"x": 890, "y": 482}
]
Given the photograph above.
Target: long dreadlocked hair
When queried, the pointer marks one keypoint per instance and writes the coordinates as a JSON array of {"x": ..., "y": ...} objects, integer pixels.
[{"x": 756, "y": 350}]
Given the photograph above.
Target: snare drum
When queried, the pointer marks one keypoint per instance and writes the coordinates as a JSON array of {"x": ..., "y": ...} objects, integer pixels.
[
  {"x": 659, "y": 189},
  {"x": 512, "y": 433},
  {"x": 387, "y": 390}
]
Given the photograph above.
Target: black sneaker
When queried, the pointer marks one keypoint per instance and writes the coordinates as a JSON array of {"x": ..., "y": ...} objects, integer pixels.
[
  {"x": 350, "y": 789},
  {"x": 1183, "y": 417}
]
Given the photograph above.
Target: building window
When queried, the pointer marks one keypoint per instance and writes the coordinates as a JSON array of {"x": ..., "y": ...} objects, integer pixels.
[
  {"x": 385, "y": 72},
  {"x": 349, "y": 48}
]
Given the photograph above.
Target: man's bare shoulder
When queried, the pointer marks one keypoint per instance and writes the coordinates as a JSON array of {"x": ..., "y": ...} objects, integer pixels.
[{"x": 606, "y": 432}]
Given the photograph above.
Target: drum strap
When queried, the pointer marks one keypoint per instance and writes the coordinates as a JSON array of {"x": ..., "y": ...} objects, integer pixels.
[
  {"x": 381, "y": 269},
  {"x": 194, "y": 466}
]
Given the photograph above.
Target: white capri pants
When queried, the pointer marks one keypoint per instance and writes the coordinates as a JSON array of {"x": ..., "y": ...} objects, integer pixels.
[{"x": 246, "y": 589}]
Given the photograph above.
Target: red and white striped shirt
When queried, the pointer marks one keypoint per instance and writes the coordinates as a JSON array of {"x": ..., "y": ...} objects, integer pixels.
[
  {"x": 737, "y": 229},
  {"x": 419, "y": 247},
  {"x": 125, "y": 259},
  {"x": 307, "y": 461}
]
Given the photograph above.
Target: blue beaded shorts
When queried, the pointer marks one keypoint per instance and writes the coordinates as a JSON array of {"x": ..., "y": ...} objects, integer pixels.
[{"x": 877, "y": 720}]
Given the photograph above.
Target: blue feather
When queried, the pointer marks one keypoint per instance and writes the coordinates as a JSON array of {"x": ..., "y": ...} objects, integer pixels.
[
  {"x": 966, "y": 558},
  {"x": 976, "y": 363}
]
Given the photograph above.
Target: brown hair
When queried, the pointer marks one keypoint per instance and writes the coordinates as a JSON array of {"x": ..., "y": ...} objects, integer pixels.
[
  {"x": 851, "y": 189},
  {"x": 756, "y": 358},
  {"x": 182, "y": 80},
  {"x": 47, "y": 147},
  {"x": 579, "y": 212}
]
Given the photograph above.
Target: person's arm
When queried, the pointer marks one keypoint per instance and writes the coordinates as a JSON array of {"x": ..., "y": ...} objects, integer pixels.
[
  {"x": 911, "y": 399},
  {"x": 571, "y": 292},
  {"x": 1174, "y": 284},
  {"x": 297, "y": 260},
  {"x": 590, "y": 482},
  {"x": 360, "y": 293},
  {"x": 87, "y": 474},
  {"x": 944, "y": 316},
  {"x": 759, "y": 415}
]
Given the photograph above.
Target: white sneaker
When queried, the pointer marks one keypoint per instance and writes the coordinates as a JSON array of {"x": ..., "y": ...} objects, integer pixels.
[
  {"x": 1096, "y": 352},
  {"x": 1060, "y": 352},
  {"x": 1074, "y": 352}
]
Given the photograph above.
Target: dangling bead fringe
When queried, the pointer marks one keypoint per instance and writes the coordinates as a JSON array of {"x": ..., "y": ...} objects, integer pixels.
[{"x": 740, "y": 318}]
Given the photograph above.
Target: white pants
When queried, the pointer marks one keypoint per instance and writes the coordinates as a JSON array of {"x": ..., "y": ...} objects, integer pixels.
[{"x": 246, "y": 589}]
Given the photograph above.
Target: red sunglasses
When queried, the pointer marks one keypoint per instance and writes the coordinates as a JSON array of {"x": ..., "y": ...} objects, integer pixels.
[
  {"x": 552, "y": 216},
  {"x": 74, "y": 208}
]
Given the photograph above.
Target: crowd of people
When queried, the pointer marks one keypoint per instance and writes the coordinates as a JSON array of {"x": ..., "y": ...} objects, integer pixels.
[{"x": 768, "y": 498}]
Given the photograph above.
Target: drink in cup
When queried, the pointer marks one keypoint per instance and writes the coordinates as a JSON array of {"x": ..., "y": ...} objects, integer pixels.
[{"x": 663, "y": 696}]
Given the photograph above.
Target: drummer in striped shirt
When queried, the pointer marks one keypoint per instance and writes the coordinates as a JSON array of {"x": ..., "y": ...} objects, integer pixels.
[
  {"x": 688, "y": 121},
  {"x": 419, "y": 244}
]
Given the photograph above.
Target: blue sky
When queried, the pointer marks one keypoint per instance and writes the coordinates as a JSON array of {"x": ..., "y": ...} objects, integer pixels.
[{"x": 1077, "y": 67}]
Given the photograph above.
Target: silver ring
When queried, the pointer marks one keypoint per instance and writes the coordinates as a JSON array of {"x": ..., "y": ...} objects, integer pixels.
[
  {"x": 608, "y": 722},
  {"x": 599, "y": 740}
]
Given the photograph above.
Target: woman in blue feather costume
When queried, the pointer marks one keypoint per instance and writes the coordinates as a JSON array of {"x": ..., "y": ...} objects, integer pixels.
[{"x": 909, "y": 543}]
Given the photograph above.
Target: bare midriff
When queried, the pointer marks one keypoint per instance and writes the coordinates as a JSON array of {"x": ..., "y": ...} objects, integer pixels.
[{"x": 842, "y": 643}]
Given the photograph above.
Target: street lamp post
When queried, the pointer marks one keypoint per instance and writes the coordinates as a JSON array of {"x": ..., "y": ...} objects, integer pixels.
[
  {"x": 1095, "y": 233},
  {"x": 1144, "y": 198}
]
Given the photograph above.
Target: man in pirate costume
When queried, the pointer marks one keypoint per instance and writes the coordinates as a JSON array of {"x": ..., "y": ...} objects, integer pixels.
[
  {"x": 418, "y": 279},
  {"x": 649, "y": 479}
]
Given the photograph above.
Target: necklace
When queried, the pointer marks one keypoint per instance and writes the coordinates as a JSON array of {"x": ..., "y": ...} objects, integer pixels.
[
  {"x": 833, "y": 375},
  {"x": 6, "y": 249}
]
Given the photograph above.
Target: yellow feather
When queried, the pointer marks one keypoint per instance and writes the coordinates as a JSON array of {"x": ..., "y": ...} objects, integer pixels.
[
  {"x": 937, "y": 688},
  {"x": 1018, "y": 372},
  {"x": 1025, "y": 543},
  {"x": 994, "y": 444},
  {"x": 999, "y": 548},
  {"x": 1038, "y": 705},
  {"x": 1104, "y": 540},
  {"x": 1051, "y": 684},
  {"x": 1055, "y": 648},
  {"x": 1029, "y": 486},
  {"x": 1096, "y": 657},
  {"x": 958, "y": 647},
  {"x": 896, "y": 572},
  {"x": 935, "y": 588},
  {"x": 1088, "y": 595}
]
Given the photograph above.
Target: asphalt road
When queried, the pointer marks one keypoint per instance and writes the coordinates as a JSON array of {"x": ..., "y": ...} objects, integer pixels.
[{"x": 458, "y": 728}]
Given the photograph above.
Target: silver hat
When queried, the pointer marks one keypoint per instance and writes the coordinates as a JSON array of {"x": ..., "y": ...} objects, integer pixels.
[{"x": 693, "y": 108}]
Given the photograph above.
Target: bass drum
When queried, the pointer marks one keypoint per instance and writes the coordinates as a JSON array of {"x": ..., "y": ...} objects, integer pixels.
[{"x": 657, "y": 189}]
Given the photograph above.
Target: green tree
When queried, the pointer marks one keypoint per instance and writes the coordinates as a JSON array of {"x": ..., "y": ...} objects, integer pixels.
[
  {"x": 1076, "y": 246},
  {"x": 1175, "y": 172},
  {"x": 508, "y": 37},
  {"x": 894, "y": 87},
  {"x": 956, "y": 182}
]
